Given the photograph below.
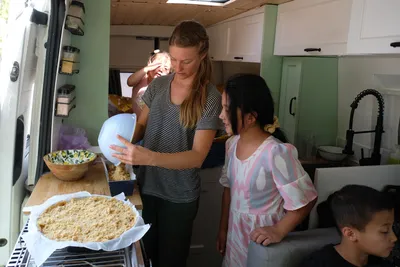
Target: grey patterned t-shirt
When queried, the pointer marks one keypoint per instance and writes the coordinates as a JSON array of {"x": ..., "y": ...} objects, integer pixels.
[{"x": 165, "y": 134}]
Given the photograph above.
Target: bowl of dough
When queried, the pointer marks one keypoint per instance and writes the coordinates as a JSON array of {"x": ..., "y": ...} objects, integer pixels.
[{"x": 69, "y": 165}]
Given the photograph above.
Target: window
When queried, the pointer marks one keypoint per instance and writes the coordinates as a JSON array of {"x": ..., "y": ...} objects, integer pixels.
[{"x": 125, "y": 89}]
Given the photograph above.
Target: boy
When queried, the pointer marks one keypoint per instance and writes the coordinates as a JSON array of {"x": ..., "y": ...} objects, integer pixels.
[{"x": 364, "y": 218}]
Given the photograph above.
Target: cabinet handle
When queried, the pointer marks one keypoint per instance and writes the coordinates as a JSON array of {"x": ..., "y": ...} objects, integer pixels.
[
  {"x": 200, "y": 246},
  {"x": 238, "y": 58},
  {"x": 312, "y": 50},
  {"x": 3, "y": 242},
  {"x": 291, "y": 106},
  {"x": 395, "y": 44}
]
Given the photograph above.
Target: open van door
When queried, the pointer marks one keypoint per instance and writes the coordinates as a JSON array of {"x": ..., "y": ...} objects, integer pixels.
[{"x": 23, "y": 64}]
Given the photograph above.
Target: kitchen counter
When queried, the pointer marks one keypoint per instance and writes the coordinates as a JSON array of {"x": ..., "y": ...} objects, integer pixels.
[
  {"x": 313, "y": 163},
  {"x": 94, "y": 182},
  {"x": 318, "y": 161}
]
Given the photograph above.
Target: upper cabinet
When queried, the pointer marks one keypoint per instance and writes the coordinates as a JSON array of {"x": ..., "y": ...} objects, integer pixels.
[
  {"x": 218, "y": 36},
  {"x": 375, "y": 27},
  {"x": 338, "y": 27},
  {"x": 238, "y": 39},
  {"x": 313, "y": 27},
  {"x": 245, "y": 37}
]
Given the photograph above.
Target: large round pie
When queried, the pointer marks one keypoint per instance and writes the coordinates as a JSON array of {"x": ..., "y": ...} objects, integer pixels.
[{"x": 89, "y": 219}]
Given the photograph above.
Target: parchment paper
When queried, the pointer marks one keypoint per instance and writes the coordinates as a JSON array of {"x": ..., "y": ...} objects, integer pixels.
[{"x": 40, "y": 247}]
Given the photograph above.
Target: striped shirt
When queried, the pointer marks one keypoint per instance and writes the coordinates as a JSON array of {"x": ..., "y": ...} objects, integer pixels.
[{"x": 165, "y": 134}]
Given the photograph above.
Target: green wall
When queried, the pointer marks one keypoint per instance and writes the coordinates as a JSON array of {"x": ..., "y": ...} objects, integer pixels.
[
  {"x": 318, "y": 99},
  {"x": 92, "y": 81},
  {"x": 271, "y": 66},
  {"x": 319, "y": 85}
]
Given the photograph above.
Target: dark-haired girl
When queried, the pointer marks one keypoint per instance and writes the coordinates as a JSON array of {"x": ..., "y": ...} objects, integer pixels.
[{"x": 267, "y": 193}]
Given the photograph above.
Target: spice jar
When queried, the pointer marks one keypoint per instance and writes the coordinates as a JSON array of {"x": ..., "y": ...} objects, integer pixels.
[
  {"x": 75, "y": 18},
  {"x": 63, "y": 110},
  {"x": 76, "y": 9},
  {"x": 66, "y": 94},
  {"x": 69, "y": 67},
  {"x": 71, "y": 53},
  {"x": 65, "y": 100}
]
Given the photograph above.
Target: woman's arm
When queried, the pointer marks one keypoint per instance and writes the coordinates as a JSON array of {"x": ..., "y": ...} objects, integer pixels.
[
  {"x": 275, "y": 234},
  {"x": 223, "y": 223},
  {"x": 137, "y": 155},
  {"x": 141, "y": 125},
  {"x": 189, "y": 159}
]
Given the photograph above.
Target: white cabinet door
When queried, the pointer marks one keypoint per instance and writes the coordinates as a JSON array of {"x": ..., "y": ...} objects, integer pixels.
[
  {"x": 245, "y": 37},
  {"x": 212, "y": 36},
  {"x": 218, "y": 37},
  {"x": 289, "y": 97},
  {"x": 313, "y": 27},
  {"x": 375, "y": 27}
]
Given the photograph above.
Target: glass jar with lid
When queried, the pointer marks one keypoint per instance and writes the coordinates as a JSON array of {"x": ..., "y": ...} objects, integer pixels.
[
  {"x": 75, "y": 18},
  {"x": 71, "y": 53}
]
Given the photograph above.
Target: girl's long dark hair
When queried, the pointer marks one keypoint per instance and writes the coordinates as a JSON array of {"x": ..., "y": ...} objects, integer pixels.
[{"x": 250, "y": 93}]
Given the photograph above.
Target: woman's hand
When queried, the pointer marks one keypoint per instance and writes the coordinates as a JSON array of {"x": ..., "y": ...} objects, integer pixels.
[
  {"x": 221, "y": 241},
  {"x": 266, "y": 235},
  {"x": 132, "y": 154}
]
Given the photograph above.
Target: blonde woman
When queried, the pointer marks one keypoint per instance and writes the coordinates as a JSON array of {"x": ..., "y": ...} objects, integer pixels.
[{"x": 178, "y": 124}]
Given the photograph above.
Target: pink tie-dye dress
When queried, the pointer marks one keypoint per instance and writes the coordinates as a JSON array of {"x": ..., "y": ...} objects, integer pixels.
[{"x": 262, "y": 187}]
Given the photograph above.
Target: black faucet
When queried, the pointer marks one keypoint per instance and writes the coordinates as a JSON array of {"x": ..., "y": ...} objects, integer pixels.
[{"x": 375, "y": 158}]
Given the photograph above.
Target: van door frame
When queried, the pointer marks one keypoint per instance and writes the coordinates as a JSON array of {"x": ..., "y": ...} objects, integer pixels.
[{"x": 50, "y": 73}]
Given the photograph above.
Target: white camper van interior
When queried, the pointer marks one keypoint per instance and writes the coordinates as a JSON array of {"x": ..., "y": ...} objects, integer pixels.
[{"x": 332, "y": 67}]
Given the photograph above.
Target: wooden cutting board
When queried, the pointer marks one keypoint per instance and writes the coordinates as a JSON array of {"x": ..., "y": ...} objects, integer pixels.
[{"x": 94, "y": 182}]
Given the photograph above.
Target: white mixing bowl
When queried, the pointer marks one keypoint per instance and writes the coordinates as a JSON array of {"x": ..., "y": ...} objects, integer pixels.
[
  {"x": 121, "y": 124},
  {"x": 331, "y": 153}
]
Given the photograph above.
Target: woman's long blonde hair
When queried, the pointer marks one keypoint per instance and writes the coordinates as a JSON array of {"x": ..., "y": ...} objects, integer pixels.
[{"x": 192, "y": 34}]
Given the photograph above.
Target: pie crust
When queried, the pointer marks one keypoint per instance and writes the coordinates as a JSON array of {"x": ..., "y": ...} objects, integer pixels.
[{"x": 89, "y": 219}]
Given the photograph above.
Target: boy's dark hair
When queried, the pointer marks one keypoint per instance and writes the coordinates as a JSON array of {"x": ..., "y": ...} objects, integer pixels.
[
  {"x": 354, "y": 206},
  {"x": 250, "y": 93}
]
